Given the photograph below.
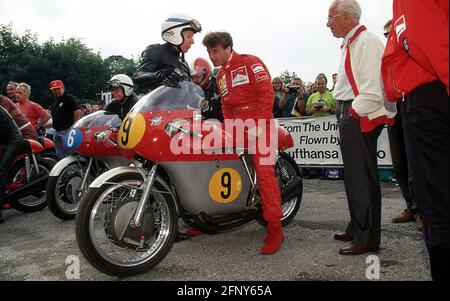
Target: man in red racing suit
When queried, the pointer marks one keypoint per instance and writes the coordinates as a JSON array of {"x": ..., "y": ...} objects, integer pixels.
[{"x": 247, "y": 94}]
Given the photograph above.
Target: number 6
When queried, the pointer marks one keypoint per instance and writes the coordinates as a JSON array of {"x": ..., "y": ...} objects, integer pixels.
[{"x": 70, "y": 138}]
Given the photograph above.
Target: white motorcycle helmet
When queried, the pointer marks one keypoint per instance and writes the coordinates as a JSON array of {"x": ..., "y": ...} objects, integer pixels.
[
  {"x": 122, "y": 80},
  {"x": 175, "y": 24}
]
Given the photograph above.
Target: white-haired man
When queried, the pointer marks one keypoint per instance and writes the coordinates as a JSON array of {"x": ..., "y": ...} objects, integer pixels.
[{"x": 362, "y": 113}]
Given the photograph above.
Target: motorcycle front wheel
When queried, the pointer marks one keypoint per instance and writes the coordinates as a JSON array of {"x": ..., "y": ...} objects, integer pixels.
[
  {"x": 106, "y": 236},
  {"x": 63, "y": 190}
]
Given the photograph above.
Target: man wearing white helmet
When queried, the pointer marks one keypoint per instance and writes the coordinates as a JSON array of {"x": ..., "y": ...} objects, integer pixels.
[
  {"x": 164, "y": 64},
  {"x": 124, "y": 99}
]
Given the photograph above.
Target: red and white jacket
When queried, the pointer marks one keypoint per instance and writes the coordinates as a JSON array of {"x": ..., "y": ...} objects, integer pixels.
[
  {"x": 245, "y": 87},
  {"x": 417, "y": 50}
]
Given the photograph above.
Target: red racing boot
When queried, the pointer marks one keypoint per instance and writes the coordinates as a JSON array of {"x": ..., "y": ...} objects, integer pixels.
[
  {"x": 273, "y": 239},
  {"x": 192, "y": 232}
]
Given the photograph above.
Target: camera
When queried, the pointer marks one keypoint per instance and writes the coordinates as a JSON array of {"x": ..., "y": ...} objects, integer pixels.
[
  {"x": 293, "y": 90},
  {"x": 318, "y": 106}
]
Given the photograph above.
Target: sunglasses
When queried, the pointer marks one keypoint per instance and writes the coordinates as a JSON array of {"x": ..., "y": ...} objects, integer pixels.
[{"x": 386, "y": 34}]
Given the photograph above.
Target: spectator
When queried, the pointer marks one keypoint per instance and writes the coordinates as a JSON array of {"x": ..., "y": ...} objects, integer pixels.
[
  {"x": 322, "y": 75},
  {"x": 321, "y": 103},
  {"x": 94, "y": 108},
  {"x": 287, "y": 101},
  {"x": 11, "y": 91},
  {"x": 278, "y": 89},
  {"x": 27, "y": 130},
  {"x": 361, "y": 115},
  {"x": 65, "y": 112},
  {"x": 300, "y": 103},
  {"x": 400, "y": 164},
  {"x": 415, "y": 73},
  {"x": 84, "y": 110},
  {"x": 334, "y": 77},
  {"x": 33, "y": 111}
]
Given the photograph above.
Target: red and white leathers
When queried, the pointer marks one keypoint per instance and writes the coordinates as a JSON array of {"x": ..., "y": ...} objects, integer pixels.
[
  {"x": 417, "y": 49},
  {"x": 247, "y": 93}
]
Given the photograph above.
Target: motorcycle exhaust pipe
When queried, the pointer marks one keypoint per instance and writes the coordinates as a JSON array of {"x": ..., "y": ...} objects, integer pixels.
[
  {"x": 28, "y": 189},
  {"x": 290, "y": 191}
]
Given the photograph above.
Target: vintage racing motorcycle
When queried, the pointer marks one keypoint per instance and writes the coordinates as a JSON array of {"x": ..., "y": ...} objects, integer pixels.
[
  {"x": 92, "y": 139},
  {"x": 127, "y": 220}
]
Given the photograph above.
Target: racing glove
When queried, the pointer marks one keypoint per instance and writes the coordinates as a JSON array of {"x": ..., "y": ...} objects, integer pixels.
[{"x": 170, "y": 77}]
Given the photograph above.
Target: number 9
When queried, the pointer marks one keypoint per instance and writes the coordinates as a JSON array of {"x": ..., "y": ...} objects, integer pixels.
[{"x": 126, "y": 130}]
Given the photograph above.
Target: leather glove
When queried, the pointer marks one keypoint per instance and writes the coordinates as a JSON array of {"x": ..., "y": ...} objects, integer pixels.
[{"x": 170, "y": 77}]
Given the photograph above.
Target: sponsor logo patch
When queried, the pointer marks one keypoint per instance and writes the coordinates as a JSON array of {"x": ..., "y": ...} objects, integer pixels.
[
  {"x": 261, "y": 76},
  {"x": 400, "y": 27},
  {"x": 258, "y": 68},
  {"x": 223, "y": 85},
  {"x": 239, "y": 77},
  {"x": 260, "y": 72}
]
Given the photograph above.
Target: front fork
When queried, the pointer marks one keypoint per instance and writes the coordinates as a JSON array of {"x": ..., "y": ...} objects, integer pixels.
[
  {"x": 136, "y": 221},
  {"x": 28, "y": 166},
  {"x": 253, "y": 181},
  {"x": 86, "y": 175}
]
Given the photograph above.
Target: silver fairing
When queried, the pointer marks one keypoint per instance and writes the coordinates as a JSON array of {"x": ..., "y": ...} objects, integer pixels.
[{"x": 192, "y": 181}]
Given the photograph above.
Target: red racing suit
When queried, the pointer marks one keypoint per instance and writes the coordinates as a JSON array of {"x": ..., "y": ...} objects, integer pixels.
[
  {"x": 417, "y": 49},
  {"x": 247, "y": 94}
]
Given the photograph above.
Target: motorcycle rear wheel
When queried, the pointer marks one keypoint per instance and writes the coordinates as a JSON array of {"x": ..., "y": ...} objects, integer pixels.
[{"x": 96, "y": 245}]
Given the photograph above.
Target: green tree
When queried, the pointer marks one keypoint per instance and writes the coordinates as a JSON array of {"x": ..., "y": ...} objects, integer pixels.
[
  {"x": 23, "y": 59},
  {"x": 118, "y": 64},
  {"x": 287, "y": 76}
]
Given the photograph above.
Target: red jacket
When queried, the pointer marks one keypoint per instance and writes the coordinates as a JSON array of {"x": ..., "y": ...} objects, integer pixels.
[
  {"x": 245, "y": 86},
  {"x": 417, "y": 49}
]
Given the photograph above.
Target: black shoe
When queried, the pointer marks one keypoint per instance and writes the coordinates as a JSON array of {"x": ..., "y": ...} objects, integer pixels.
[
  {"x": 1, "y": 218},
  {"x": 181, "y": 236}
]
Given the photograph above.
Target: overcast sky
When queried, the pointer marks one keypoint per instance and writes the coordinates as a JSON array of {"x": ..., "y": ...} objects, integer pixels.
[{"x": 286, "y": 34}]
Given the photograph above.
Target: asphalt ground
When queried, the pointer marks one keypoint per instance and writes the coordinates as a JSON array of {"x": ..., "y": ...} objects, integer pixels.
[{"x": 36, "y": 246}]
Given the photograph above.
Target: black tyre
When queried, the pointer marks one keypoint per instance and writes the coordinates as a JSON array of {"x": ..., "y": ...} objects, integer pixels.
[
  {"x": 63, "y": 193},
  {"x": 286, "y": 170},
  {"x": 103, "y": 206},
  {"x": 17, "y": 174}
]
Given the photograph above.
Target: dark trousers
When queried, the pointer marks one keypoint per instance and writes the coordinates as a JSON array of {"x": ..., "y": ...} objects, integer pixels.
[
  {"x": 400, "y": 161},
  {"x": 362, "y": 186},
  {"x": 426, "y": 121}
]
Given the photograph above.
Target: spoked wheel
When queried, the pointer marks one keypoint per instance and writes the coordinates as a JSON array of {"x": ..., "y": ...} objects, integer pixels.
[
  {"x": 64, "y": 191},
  {"x": 105, "y": 233},
  {"x": 18, "y": 175},
  {"x": 287, "y": 172}
]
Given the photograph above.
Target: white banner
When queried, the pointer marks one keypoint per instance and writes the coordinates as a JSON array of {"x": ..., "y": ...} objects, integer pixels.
[{"x": 316, "y": 141}]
